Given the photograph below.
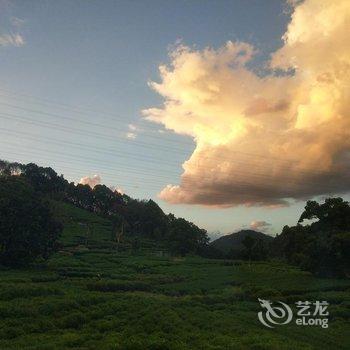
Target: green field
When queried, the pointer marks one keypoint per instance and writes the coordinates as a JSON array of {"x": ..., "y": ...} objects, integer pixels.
[{"x": 96, "y": 298}]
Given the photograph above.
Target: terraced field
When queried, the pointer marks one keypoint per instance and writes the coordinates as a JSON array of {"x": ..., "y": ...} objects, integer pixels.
[{"x": 89, "y": 296}]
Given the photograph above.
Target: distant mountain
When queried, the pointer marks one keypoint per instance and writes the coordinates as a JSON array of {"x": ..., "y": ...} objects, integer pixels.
[{"x": 234, "y": 240}]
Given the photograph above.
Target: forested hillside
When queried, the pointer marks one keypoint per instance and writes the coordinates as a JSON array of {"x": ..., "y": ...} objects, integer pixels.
[
  {"x": 127, "y": 216},
  {"x": 33, "y": 198},
  {"x": 236, "y": 242},
  {"x": 84, "y": 268}
]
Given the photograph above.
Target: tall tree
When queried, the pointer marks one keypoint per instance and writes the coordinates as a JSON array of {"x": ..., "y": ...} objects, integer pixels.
[{"x": 27, "y": 228}]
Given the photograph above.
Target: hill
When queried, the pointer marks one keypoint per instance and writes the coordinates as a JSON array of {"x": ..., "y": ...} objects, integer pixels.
[
  {"x": 234, "y": 241},
  {"x": 119, "y": 214},
  {"x": 96, "y": 294},
  {"x": 84, "y": 231}
]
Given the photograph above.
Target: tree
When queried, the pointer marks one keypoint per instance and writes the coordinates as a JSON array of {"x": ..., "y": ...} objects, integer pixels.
[
  {"x": 259, "y": 250},
  {"x": 105, "y": 200},
  {"x": 146, "y": 218},
  {"x": 80, "y": 195},
  {"x": 321, "y": 246},
  {"x": 249, "y": 243},
  {"x": 185, "y": 237},
  {"x": 27, "y": 228},
  {"x": 43, "y": 180},
  {"x": 119, "y": 234},
  {"x": 333, "y": 214},
  {"x": 143, "y": 218}
]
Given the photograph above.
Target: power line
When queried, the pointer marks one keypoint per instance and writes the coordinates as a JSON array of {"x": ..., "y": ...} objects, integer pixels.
[
  {"x": 89, "y": 123},
  {"x": 151, "y": 136},
  {"x": 48, "y": 102},
  {"x": 73, "y": 170},
  {"x": 9, "y": 116},
  {"x": 95, "y": 149},
  {"x": 242, "y": 184},
  {"x": 209, "y": 193},
  {"x": 154, "y": 161},
  {"x": 100, "y": 150},
  {"x": 103, "y": 136},
  {"x": 95, "y": 162},
  {"x": 63, "y": 128}
]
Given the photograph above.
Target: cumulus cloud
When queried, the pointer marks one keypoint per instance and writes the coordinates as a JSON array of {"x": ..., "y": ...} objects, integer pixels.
[
  {"x": 117, "y": 189},
  {"x": 259, "y": 225},
  {"x": 95, "y": 180},
  {"x": 132, "y": 133},
  {"x": 91, "y": 181},
  {"x": 263, "y": 140},
  {"x": 11, "y": 40}
]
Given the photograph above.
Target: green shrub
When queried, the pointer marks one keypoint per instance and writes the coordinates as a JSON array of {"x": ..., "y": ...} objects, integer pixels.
[
  {"x": 113, "y": 286},
  {"x": 38, "y": 279},
  {"x": 74, "y": 320},
  {"x": 14, "y": 291}
]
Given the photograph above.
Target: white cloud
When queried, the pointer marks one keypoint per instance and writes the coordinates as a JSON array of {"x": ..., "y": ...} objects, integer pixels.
[
  {"x": 259, "y": 225},
  {"x": 131, "y": 135},
  {"x": 11, "y": 40},
  {"x": 91, "y": 181},
  {"x": 116, "y": 189},
  {"x": 95, "y": 180},
  {"x": 263, "y": 140}
]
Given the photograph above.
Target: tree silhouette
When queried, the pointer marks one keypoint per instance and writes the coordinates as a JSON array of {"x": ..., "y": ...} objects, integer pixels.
[{"x": 27, "y": 228}]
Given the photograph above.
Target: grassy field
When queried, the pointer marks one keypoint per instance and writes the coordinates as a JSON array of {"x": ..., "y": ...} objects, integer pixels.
[{"x": 97, "y": 298}]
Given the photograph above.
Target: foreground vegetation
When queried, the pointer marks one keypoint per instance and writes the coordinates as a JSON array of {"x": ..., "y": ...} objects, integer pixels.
[
  {"x": 88, "y": 296},
  {"x": 104, "y": 300},
  {"x": 84, "y": 268}
]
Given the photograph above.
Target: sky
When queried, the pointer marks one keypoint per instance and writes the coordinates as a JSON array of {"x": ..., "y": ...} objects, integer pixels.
[{"x": 230, "y": 114}]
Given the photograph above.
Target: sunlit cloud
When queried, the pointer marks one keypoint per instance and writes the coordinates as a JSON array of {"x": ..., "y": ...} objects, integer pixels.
[
  {"x": 131, "y": 135},
  {"x": 95, "y": 180},
  {"x": 259, "y": 225},
  {"x": 91, "y": 181},
  {"x": 117, "y": 189},
  {"x": 132, "y": 127},
  {"x": 263, "y": 140}
]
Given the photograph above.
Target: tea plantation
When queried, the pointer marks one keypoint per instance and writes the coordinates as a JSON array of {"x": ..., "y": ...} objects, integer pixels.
[{"x": 90, "y": 296}]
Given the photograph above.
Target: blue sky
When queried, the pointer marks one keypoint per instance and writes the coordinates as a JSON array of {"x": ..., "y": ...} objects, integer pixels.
[{"x": 72, "y": 92}]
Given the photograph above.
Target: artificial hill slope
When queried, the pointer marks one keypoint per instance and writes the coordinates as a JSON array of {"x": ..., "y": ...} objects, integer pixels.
[{"x": 234, "y": 241}]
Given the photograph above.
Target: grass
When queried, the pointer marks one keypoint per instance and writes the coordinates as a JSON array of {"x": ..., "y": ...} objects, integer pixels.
[{"x": 97, "y": 298}]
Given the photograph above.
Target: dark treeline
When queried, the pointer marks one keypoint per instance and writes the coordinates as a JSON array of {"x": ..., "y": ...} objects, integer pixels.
[
  {"x": 323, "y": 245},
  {"x": 320, "y": 246},
  {"x": 138, "y": 217},
  {"x": 319, "y": 242}
]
